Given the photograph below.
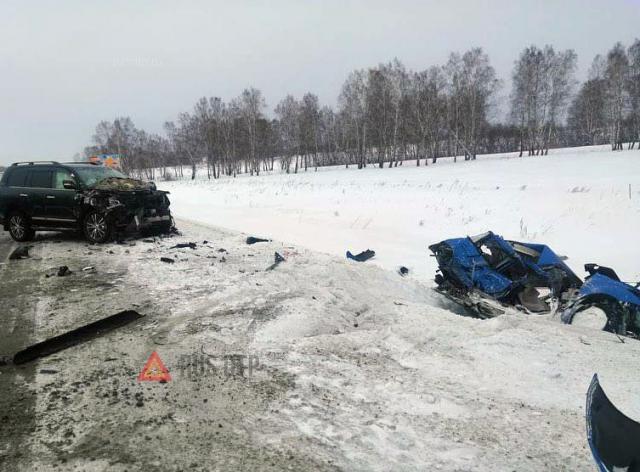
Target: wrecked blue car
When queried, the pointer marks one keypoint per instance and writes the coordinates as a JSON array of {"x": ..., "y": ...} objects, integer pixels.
[
  {"x": 605, "y": 302},
  {"x": 487, "y": 273},
  {"x": 476, "y": 270}
]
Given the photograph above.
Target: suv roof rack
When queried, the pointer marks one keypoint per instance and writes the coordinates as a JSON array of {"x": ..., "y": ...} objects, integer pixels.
[
  {"x": 30, "y": 163},
  {"x": 82, "y": 162}
]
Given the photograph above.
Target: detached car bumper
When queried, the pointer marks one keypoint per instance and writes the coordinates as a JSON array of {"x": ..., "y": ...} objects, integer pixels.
[
  {"x": 137, "y": 220},
  {"x": 145, "y": 222}
]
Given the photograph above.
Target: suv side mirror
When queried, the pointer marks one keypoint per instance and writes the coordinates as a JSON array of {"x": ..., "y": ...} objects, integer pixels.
[{"x": 69, "y": 184}]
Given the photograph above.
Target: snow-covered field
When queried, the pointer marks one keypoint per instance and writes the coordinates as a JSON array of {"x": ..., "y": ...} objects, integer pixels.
[{"x": 583, "y": 202}]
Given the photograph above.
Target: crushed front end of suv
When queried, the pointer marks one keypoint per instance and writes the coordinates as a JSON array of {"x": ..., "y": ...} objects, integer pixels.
[{"x": 98, "y": 201}]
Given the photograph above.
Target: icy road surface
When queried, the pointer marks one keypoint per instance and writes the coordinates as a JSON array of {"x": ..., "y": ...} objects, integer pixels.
[
  {"x": 318, "y": 364},
  {"x": 583, "y": 202}
]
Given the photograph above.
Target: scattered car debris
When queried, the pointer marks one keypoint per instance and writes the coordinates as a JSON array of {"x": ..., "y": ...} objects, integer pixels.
[
  {"x": 48, "y": 371},
  {"x": 403, "y": 271},
  {"x": 485, "y": 273},
  {"x": 174, "y": 230},
  {"x": 603, "y": 291},
  {"x": 613, "y": 437},
  {"x": 184, "y": 245},
  {"x": 63, "y": 271},
  {"x": 277, "y": 260},
  {"x": 88, "y": 269},
  {"x": 361, "y": 257},
  {"x": 20, "y": 253},
  {"x": 168, "y": 260},
  {"x": 76, "y": 336},
  {"x": 254, "y": 240}
]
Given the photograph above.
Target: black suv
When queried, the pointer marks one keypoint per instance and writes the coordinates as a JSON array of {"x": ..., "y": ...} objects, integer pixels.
[{"x": 97, "y": 200}]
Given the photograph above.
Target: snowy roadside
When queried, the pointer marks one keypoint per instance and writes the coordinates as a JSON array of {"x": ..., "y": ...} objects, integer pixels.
[
  {"x": 344, "y": 366},
  {"x": 584, "y": 203}
]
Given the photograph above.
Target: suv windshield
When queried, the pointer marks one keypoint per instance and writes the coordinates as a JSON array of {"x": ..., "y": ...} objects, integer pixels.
[{"x": 91, "y": 175}]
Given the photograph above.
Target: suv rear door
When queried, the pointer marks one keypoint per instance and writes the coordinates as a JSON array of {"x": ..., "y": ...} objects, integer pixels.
[
  {"x": 16, "y": 196},
  {"x": 39, "y": 181}
]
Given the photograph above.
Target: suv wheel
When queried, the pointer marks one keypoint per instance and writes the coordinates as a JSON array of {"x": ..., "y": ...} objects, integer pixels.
[
  {"x": 20, "y": 228},
  {"x": 97, "y": 227}
]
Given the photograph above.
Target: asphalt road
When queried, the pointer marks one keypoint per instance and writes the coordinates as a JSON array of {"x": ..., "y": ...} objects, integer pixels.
[
  {"x": 35, "y": 304},
  {"x": 17, "y": 403},
  {"x": 6, "y": 246}
]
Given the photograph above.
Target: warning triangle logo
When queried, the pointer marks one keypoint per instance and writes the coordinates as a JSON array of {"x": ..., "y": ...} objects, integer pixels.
[{"x": 154, "y": 370}]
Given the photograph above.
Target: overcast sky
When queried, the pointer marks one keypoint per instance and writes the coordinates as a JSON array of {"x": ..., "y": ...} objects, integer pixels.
[{"x": 65, "y": 65}]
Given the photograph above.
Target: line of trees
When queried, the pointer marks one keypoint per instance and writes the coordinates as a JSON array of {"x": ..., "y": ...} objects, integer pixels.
[
  {"x": 388, "y": 114},
  {"x": 543, "y": 80},
  {"x": 607, "y": 106}
]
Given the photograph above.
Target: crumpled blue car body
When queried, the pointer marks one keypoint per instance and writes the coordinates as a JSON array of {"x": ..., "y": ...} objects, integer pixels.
[
  {"x": 499, "y": 268},
  {"x": 619, "y": 300},
  {"x": 599, "y": 284},
  {"x": 512, "y": 272},
  {"x": 472, "y": 270}
]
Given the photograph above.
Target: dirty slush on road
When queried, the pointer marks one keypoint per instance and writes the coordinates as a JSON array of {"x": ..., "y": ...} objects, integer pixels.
[{"x": 84, "y": 409}]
